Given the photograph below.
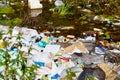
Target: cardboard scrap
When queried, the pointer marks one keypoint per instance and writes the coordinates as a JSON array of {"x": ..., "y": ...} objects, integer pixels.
[
  {"x": 49, "y": 65},
  {"x": 110, "y": 74},
  {"x": 78, "y": 45}
]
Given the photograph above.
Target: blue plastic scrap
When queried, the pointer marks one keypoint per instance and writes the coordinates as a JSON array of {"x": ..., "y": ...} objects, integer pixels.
[
  {"x": 41, "y": 64},
  {"x": 55, "y": 77},
  {"x": 42, "y": 43},
  {"x": 101, "y": 48},
  {"x": 50, "y": 38}
]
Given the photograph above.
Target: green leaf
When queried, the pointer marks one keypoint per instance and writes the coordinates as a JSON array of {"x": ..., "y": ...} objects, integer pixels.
[
  {"x": 1, "y": 63},
  {"x": 70, "y": 74},
  {"x": 91, "y": 77},
  {"x": 23, "y": 68},
  {"x": 16, "y": 21},
  {"x": 45, "y": 78},
  {"x": 10, "y": 32},
  {"x": 19, "y": 36},
  {"x": 0, "y": 34}
]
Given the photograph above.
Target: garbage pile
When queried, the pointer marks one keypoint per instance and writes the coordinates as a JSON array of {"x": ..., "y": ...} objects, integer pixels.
[{"x": 60, "y": 57}]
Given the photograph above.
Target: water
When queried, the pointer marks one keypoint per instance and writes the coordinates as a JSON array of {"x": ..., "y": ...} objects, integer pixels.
[{"x": 42, "y": 19}]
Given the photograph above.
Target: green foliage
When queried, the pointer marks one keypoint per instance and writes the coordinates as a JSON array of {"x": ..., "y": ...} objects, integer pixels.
[
  {"x": 11, "y": 1},
  {"x": 19, "y": 36},
  {"x": 83, "y": 22},
  {"x": 84, "y": 3},
  {"x": 6, "y": 14},
  {"x": 64, "y": 9},
  {"x": 14, "y": 62},
  {"x": 110, "y": 17},
  {"x": 70, "y": 74},
  {"x": 10, "y": 32},
  {"x": 11, "y": 22},
  {"x": 83, "y": 18},
  {"x": 0, "y": 35},
  {"x": 6, "y": 10},
  {"x": 16, "y": 66},
  {"x": 118, "y": 2},
  {"x": 45, "y": 78},
  {"x": 15, "y": 21}
]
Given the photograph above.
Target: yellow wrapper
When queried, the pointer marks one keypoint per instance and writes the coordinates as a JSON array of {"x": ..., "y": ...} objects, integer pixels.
[
  {"x": 45, "y": 40},
  {"x": 2, "y": 44}
]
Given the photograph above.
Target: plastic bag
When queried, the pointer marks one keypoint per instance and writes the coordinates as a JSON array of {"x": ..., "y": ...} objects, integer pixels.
[{"x": 90, "y": 73}]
